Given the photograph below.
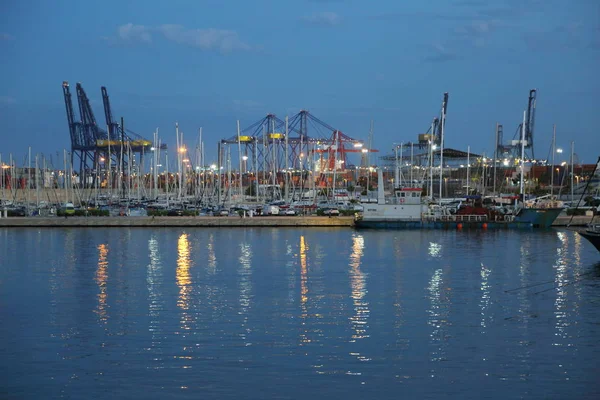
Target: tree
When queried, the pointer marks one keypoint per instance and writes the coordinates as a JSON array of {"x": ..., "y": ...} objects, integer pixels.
[{"x": 251, "y": 190}]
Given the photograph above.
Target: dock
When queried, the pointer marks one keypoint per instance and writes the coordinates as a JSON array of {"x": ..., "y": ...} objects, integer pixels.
[
  {"x": 578, "y": 220},
  {"x": 200, "y": 221},
  {"x": 231, "y": 221}
]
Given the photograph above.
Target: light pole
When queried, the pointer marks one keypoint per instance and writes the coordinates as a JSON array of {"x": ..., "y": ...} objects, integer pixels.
[{"x": 243, "y": 170}]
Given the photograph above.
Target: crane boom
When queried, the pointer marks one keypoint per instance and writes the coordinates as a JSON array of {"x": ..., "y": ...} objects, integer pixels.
[
  {"x": 73, "y": 131},
  {"x": 530, "y": 120}
]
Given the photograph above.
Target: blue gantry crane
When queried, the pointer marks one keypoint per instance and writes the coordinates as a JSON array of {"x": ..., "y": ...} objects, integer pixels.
[
  {"x": 92, "y": 146},
  {"x": 512, "y": 150}
]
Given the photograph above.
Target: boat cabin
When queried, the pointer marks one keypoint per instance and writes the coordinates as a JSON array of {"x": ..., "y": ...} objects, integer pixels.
[{"x": 407, "y": 195}]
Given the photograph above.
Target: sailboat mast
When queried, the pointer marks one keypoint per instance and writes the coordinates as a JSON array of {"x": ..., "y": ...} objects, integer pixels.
[
  {"x": 28, "y": 179},
  {"x": 2, "y": 179},
  {"x": 411, "y": 164},
  {"x": 468, "y": 167},
  {"x": 287, "y": 166},
  {"x": 401, "y": 164},
  {"x": 397, "y": 169},
  {"x": 431, "y": 143},
  {"x": 522, "y": 181},
  {"x": 37, "y": 185},
  {"x": 240, "y": 159},
  {"x": 572, "y": 170},
  {"x": 495, "y": 159},
  {"x": 442, "y": 153},
  {"x": 553, "y": 152}
]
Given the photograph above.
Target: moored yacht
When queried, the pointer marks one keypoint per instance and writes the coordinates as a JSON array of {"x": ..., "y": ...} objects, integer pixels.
[{"x": 592, "y": 234}]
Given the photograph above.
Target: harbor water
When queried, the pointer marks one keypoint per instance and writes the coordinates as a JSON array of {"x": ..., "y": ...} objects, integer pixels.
[{"x": 297, "y": 313}]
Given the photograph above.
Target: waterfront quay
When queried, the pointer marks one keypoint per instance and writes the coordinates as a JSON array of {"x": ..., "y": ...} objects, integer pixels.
[
  {"x": 205, "y": 221},
  {"x": 200, "y": 221}
]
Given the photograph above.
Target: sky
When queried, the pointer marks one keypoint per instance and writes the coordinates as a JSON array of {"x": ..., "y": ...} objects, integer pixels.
[{"x": 209, "y": 63}]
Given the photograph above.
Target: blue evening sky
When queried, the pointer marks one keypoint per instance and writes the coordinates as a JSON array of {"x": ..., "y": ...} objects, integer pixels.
[{"x": 207, "y": 63}]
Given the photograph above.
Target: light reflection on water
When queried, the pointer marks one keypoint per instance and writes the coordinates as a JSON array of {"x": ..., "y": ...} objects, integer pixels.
[
  {"x": 303, "y": 289},
  {"x": 437, "y": 318},
  {"x": 154, "y": 280},
  {"x": 101, "y": 280},
  {"x": 258, "y": 313},
  {"x": 358, "y": 286},
  {"x": 245, "y": 287}
]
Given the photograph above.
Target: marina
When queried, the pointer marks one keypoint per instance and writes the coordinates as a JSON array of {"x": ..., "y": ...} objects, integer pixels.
[
  {"x": 274, "y": 167},
  {"x": 256, "y": 200}
]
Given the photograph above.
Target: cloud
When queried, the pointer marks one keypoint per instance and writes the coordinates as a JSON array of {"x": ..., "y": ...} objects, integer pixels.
[
  {"x": 471, "y": 3},
  {"x": 6, "y": 36},
  {"x": 471, "y": 10},
  {"x": 476, "y": 33},
  {"x": 222, "y": 40},
  {"x": 247, "y": 105},
  {"x": 7, "y": 100},
  {"x": 134, "y": 33},
  {"x": 326, "y": 18},
  {"x": 441, "y": 54},
  {"x": 567, "y": 36},
  {"x": 395, "y": 16}
]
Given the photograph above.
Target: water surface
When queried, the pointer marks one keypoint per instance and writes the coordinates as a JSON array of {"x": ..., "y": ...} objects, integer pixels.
[{"x": 297, "y": 313}]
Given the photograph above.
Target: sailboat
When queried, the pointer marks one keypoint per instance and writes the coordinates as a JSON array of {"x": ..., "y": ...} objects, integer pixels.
[
  {"x": 592, "y": 232},
  {"x": 540, "y": 212}
]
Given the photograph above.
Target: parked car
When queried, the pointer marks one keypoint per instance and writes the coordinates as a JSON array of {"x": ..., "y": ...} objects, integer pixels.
[
  {"x": 331, "y": 211},
  {"x": 270, "y": 210}
]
